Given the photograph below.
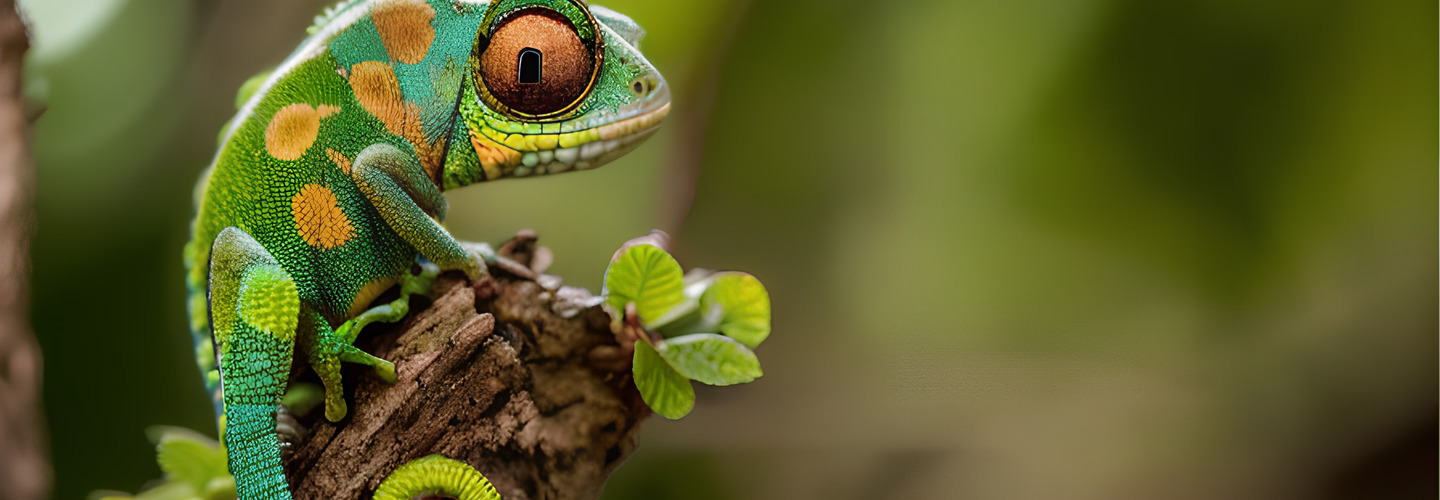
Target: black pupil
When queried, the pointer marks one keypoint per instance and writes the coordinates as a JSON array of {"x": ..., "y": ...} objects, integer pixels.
[{"x": 529, "y": 65}]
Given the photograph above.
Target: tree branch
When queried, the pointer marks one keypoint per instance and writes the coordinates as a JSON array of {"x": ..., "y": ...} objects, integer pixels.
[
  {"x": 519, "y": 377},
  {"x": 24, "y": 471}
]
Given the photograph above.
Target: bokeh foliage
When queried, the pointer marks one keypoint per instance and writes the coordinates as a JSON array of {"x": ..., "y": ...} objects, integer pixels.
[{"x": 1023, "y": 249}]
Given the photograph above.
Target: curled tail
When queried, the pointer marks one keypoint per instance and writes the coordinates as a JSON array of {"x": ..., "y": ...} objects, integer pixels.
[{"x": 436, "y": 475}]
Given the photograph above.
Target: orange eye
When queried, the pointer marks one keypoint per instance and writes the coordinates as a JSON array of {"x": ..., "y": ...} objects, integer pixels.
[{"x": 535, "y": 63}]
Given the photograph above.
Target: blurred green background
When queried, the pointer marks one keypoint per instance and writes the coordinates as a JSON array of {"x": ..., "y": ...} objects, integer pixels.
[{"x": 1095, "y": 249}]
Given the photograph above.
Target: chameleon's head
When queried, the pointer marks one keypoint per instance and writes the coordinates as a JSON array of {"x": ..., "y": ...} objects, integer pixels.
[{"x": 552, "y": 86}]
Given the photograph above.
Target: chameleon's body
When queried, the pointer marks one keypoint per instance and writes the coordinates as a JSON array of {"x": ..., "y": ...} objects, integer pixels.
[{"x": 327, "y": 185}]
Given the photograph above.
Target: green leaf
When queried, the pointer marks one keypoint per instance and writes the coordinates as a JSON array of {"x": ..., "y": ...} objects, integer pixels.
[
  {"x": 681, "y": 316},
  {"x": 188, "y": 457},
  {"x": 742, "y": 305},
  {"x": 646, "y": 275},
  {"x": 167, "y": 491},
  {"x": 220, "y": 488},
  {"x": 711, "y": 359},
  {"x": 109, "y": 495},
  {"x": 666, "y": 391},
  {"x": 302, "y": 397}
]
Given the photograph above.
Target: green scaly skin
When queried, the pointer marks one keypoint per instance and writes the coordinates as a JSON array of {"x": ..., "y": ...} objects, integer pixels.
[{"x": 327, "y": 189}]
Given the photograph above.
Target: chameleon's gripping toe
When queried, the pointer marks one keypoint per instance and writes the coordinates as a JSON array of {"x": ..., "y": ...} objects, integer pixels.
[
  {"x": 332, "y": 348},
  {"x": 325, "y": 350}
]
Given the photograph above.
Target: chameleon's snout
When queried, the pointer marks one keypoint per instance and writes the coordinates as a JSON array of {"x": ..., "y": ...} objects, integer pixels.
[
  {"x": 653, "y": 104},
  {"x": 625, "y": 134},
  {"x": 609, "y": 135}
]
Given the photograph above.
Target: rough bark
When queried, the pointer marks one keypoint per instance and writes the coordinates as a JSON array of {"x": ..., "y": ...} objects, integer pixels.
[
  {"x": 516, "y": 375},
  {"x": 24, "y": 471}
]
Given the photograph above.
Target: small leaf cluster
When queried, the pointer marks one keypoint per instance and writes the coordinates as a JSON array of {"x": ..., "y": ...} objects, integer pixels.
[
  {"x": 194, "y": 467},
  {"x": 701, "y": 326}
]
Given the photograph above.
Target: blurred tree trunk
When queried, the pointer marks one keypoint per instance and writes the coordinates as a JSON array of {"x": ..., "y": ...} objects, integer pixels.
[{"x": 24, "y": 471}]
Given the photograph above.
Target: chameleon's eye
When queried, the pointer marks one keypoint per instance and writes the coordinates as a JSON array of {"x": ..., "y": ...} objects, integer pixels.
[{"x": 535, "y": 63}]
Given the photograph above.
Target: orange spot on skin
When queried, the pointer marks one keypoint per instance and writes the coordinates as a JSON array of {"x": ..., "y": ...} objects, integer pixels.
[
  {"x": 404, "y": 27},
  {"x": 293, "y": 130},
  {"x": 339, "y": 159},
  {"x": 378, "y": 91},
  {"x": 495, "y": 158},
  {"x": 318, "y": 217},
  {"x": 431, "y": 153}
]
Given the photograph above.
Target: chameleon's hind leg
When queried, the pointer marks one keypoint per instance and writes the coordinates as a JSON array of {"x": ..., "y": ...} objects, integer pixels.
[
  {"x": 255, "y": 307},
  {"x": 326, "y": 350}
]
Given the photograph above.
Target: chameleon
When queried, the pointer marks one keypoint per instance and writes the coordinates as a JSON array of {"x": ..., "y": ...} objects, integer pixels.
[{"x": 328, "y": 185}]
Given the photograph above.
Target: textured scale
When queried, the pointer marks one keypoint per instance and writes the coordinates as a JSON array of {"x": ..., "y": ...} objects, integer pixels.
[{"x": 327, "y": 186}]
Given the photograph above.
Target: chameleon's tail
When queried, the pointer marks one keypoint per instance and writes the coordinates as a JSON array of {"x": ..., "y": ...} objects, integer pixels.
[
  {"x": 254, "y": 452},
  {"x": 436, "y": 475}
]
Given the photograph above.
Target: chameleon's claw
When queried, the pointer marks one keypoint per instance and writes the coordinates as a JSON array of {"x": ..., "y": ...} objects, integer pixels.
[
  {"x": 335, "y": 408},
  {"x": 332, "y": 348},
  {"x": 484, "y": 256},
  {"x": 326, "y": 357},
  {"x": 476, "y": 267},
  {"x": 350, "y": 330},
  {"x": 384, "y": 369},
  {"x": 481, "y": 251},
  {"x": 386, "y": 372}
]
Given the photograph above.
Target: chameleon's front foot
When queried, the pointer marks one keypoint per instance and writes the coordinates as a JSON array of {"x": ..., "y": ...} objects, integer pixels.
[
  {"x": 326, "y": 350},
  {"x": 476, "y": 264},
  {"x": 483, "y": 256}
]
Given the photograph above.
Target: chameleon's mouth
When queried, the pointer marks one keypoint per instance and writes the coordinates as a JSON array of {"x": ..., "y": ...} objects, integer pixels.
[
  {"x": 614, "y": 140},
  {"x": 591, "y": 147}
]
